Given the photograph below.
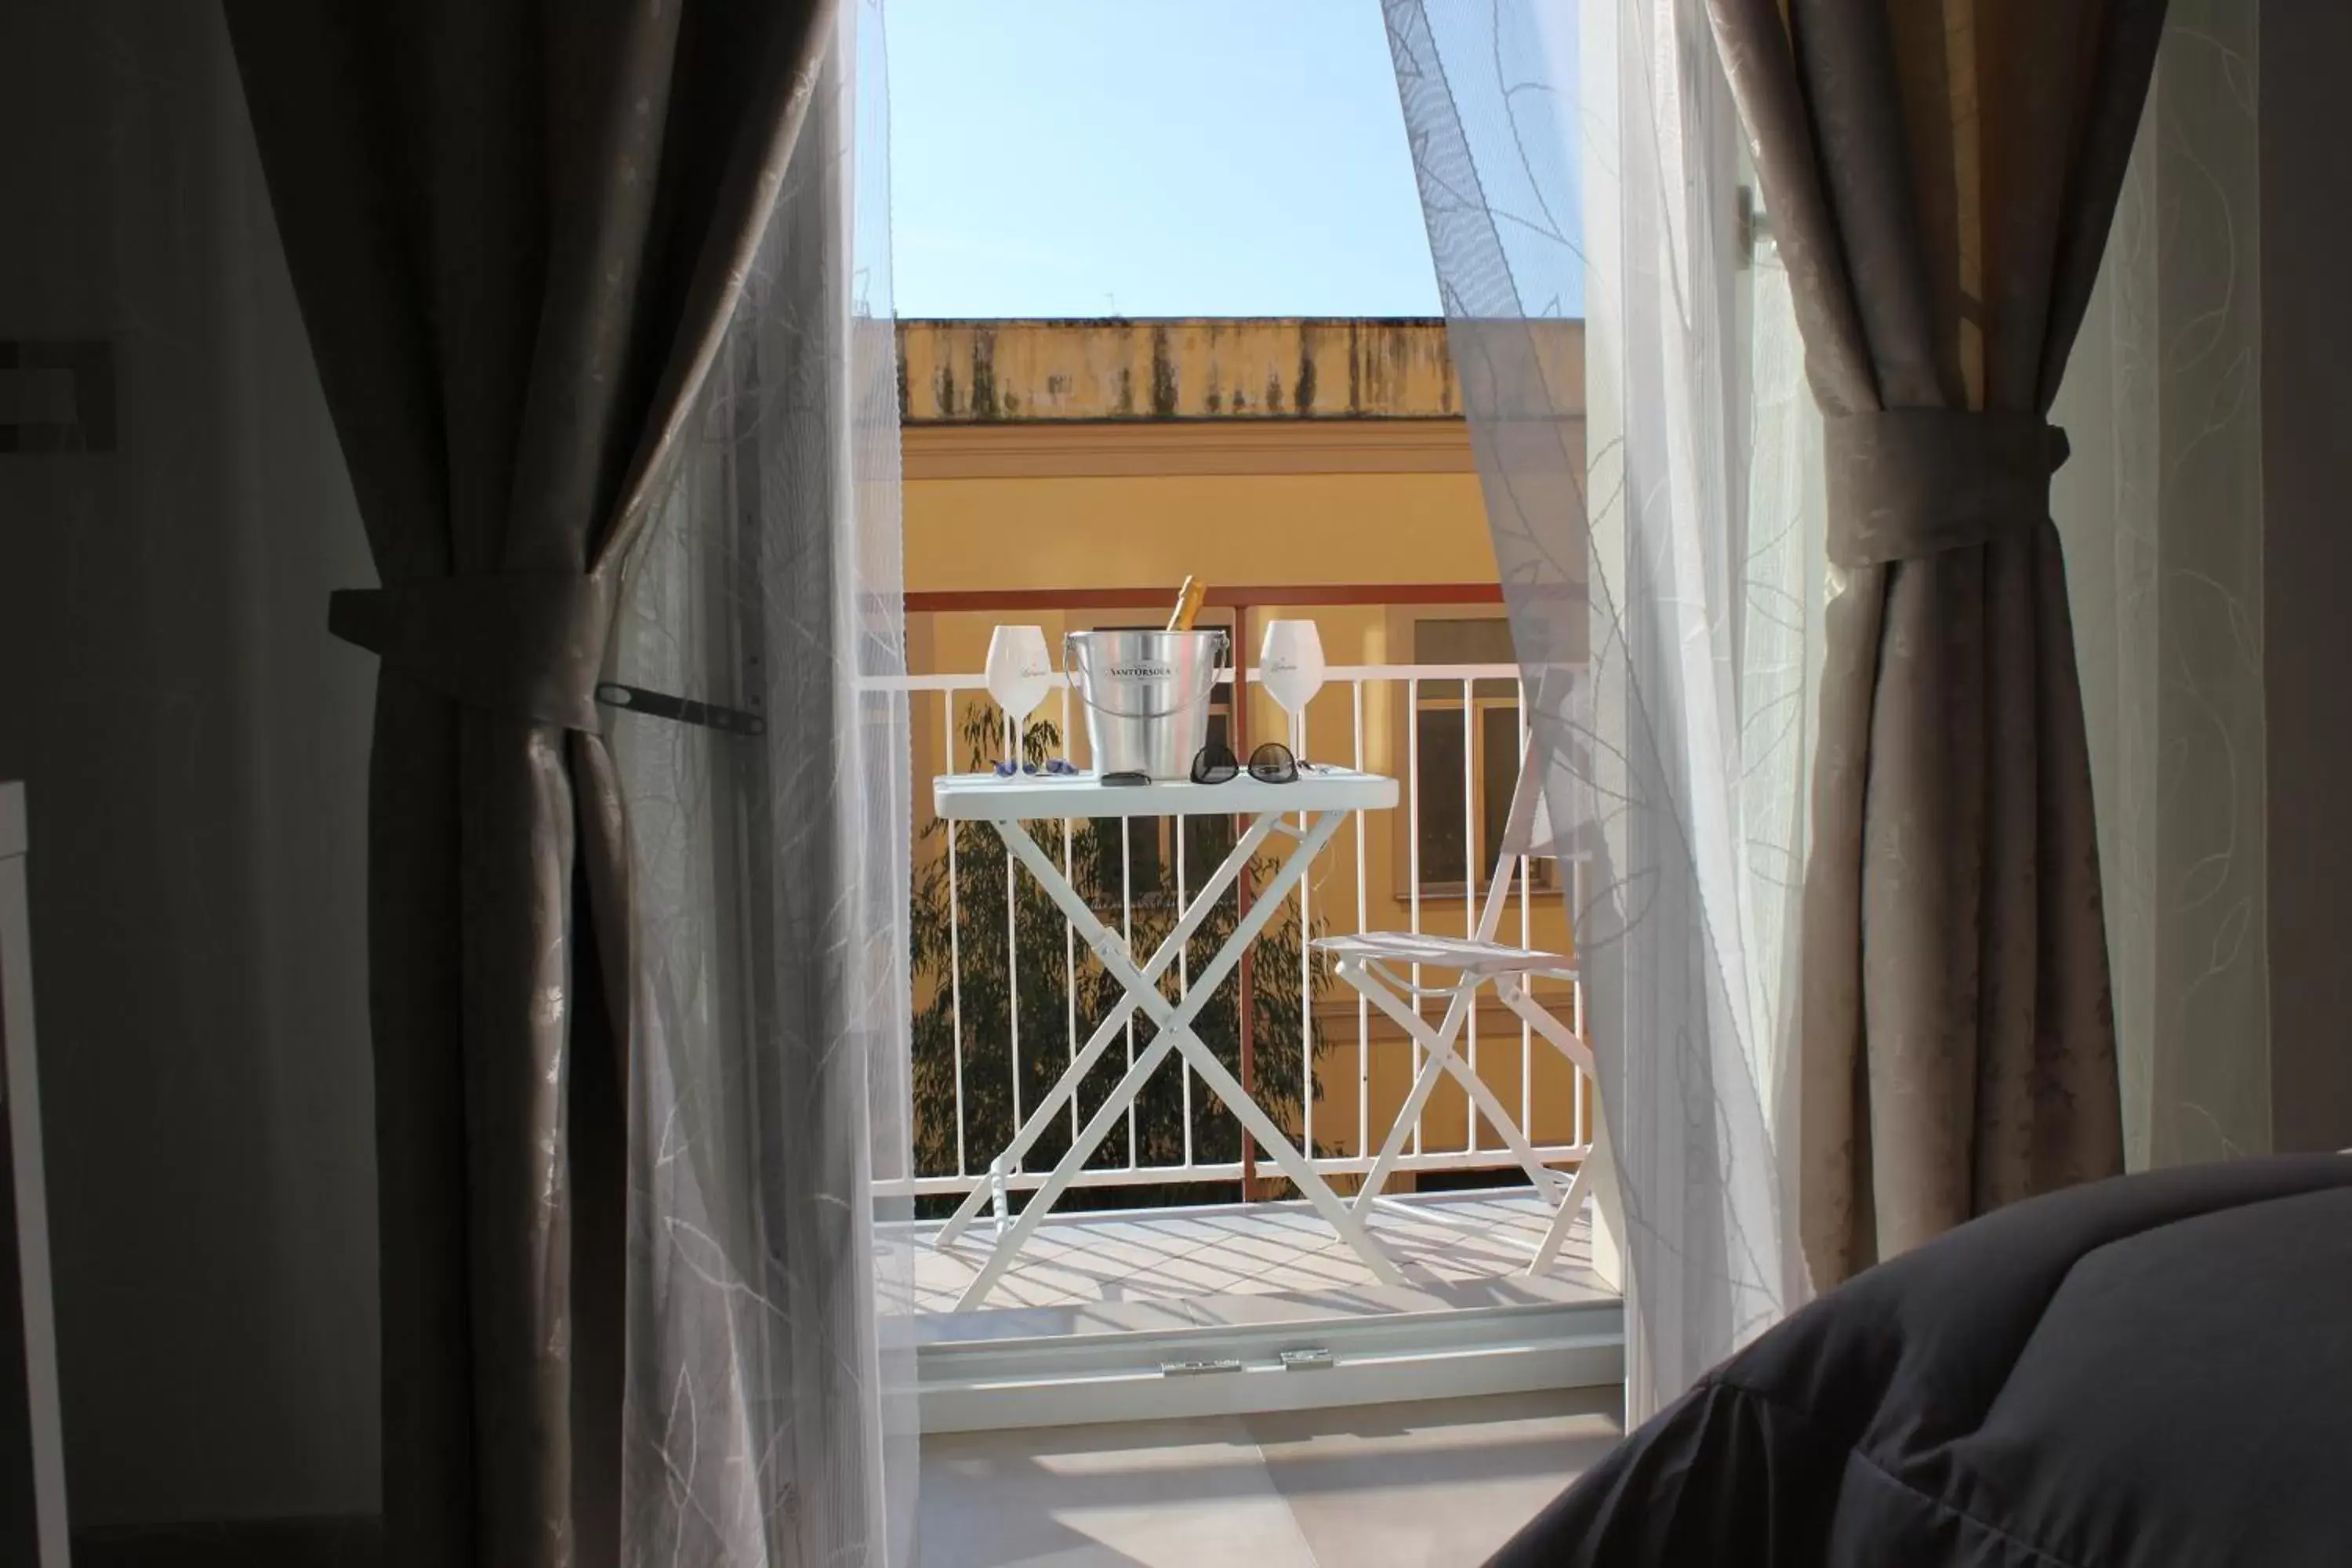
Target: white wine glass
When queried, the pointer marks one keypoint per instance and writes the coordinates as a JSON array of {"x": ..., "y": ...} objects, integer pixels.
[
  {"x": 1020, "y": 673},
  {"x": 1290, "y": 667}
]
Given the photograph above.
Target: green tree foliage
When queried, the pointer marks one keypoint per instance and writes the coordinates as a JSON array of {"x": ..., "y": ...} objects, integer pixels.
[{"x": 1063, "y": 993}]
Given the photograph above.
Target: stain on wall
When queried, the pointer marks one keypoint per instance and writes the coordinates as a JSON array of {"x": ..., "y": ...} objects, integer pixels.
[
  {"x": 1163, "y": 386},
  {"x": 964, "y": 371},
  {"x": 983, "y": 376}
]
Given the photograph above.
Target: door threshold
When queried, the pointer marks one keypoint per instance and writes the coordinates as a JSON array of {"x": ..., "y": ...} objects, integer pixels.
[{"x": 1233, "y": 1370}]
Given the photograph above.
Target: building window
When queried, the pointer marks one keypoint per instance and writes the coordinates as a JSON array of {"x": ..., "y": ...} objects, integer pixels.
[{"x": 1467, "y": 770}]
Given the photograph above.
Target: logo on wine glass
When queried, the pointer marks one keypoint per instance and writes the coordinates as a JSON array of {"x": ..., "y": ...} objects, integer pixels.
[{"x": 1290, "y": 667}]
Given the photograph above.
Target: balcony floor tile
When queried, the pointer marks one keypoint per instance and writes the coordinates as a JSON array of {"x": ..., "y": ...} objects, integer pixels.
[{"x": 1236, "y": 1264}]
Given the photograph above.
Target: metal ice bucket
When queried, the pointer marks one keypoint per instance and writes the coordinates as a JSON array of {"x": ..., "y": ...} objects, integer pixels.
[{"x": 1147, "y": 695}]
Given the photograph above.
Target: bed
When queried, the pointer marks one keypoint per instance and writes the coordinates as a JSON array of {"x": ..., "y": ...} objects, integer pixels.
[{"x": 2155, "y": 1370}]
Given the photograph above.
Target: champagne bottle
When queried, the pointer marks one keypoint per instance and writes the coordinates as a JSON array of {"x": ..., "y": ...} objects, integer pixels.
[{"x": 1188, "y": 604}]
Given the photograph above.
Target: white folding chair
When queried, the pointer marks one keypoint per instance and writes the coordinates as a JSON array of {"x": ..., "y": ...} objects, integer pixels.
[{"x": 1380, "y": 966}]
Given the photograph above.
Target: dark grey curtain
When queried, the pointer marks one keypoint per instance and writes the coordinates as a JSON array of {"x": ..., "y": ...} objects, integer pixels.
[
  {"x": 516, "y": 231},
  {"x": 1941, "y": 180}
]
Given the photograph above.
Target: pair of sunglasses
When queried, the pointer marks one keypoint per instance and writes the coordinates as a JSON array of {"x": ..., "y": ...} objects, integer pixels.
[
  {"x": 1270, "y": 763},
  {"x": 1055, "y": 765}
]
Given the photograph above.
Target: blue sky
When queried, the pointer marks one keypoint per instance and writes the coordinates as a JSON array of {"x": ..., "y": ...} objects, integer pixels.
[{"x": 1149, "y": 158}]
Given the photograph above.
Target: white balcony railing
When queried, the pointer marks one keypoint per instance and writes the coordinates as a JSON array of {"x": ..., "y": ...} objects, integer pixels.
[{"x": 1373, "y": 878}]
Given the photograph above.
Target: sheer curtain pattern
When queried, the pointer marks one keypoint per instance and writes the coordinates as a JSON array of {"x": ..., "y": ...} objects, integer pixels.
[
  {"x": 1656, "y": 520},
  {"x": 1576, "y": 164},
  {"x": 770, "y": 1416},
  {"x": 2161, "y": 512}
]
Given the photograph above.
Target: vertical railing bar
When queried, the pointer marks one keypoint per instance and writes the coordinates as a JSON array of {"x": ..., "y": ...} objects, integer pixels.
[
  {"x": 1306, "y": 978},
  {"x": 1013, "y": 954},
  {"x": 1363, "y": 1003},
  {"x": 1127, "y": 929},
  {"x": 1184, "y": 982},
  {"x": 1069, "y": 931},
  {"x": 1527, "y": 939},
  {"x": 1412, "y": 851},
  {"x": 1245, "y": 972},
  {"x": 1576, "y": 995},
  {"x": 1473, "y": 851},
  {"x": 955, "y": 929}
]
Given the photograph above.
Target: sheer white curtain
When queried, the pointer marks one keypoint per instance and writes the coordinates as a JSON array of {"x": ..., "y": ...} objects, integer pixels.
[
  {"x": 1666, "y": 591},
  {"x": 771, "y": 1417},
  {"x": 2160, "y": 509},
  {"x": 1655, "y": 509}
]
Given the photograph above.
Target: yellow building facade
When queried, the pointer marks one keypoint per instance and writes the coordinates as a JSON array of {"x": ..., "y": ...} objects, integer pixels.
[{"x": 1072, "y": 474}]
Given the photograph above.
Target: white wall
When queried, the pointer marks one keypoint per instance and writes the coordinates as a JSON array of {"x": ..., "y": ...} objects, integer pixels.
[{"x": 196, "y": 750}]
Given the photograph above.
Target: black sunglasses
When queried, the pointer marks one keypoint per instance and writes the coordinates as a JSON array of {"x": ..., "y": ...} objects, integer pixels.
[{"x": 1270, "y": 763}]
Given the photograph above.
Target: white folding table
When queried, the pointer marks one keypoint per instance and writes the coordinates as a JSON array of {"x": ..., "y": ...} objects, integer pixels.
[{"x": 1322, "y": 797}]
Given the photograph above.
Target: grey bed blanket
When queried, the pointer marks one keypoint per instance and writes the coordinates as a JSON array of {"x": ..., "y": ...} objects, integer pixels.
[{"x": 2156, "y": 1369}]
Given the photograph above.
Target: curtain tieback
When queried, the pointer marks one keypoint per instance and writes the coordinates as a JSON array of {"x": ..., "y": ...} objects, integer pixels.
[
  {"x": 1908, "y": 483},
  {"x": 528, "y": 645}
]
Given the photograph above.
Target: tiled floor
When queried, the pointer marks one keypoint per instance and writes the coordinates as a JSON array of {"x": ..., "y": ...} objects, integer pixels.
[
  {"x": 1434, "y": 1485},
  {"x": 1144, "y": 1270}
]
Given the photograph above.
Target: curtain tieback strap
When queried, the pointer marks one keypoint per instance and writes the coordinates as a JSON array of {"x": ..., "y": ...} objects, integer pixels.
[
  {"x": 1908, "y": 483},
  {"x": 524, "y": 644}
]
